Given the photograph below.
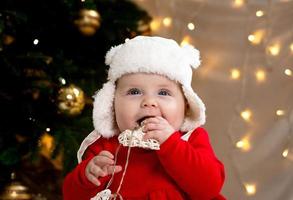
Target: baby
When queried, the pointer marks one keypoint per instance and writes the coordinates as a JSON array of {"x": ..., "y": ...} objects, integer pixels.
[{"x": 147, "y": 102}]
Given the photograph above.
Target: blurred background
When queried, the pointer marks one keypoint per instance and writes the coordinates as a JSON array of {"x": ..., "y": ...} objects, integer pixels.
[{"x": 52, "y": 62}]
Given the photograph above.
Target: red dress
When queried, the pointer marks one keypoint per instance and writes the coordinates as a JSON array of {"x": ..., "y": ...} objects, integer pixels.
[{"x": 179, "y": 170}]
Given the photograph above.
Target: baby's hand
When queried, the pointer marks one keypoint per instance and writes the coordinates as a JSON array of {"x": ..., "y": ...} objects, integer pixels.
[
  {"x": 100, "y": 166},
  {"x": 157, "y": 128}
]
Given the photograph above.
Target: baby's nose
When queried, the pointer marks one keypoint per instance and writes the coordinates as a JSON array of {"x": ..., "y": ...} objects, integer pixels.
[{"x": 149, "y": 102}]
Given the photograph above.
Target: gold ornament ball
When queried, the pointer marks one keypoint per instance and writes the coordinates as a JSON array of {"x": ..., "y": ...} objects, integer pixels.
[
  {"x": 88, "y": 21},
  {"x": 71, "y": 100},
  {"x": 15, "y": 191}
]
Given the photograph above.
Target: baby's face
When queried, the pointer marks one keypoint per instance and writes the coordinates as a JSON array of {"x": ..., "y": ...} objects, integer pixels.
[{"x": 142, "y": 95}]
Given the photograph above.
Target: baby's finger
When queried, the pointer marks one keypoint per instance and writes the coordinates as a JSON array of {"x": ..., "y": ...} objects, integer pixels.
[
  {"x": 103, "y": 160},
  {"x": 151, "y": 120},
  {"x": 161, "y": 120},
  {"x": 150, "y": 135},
  {"x": 152, "y": 126},
  {"x": 96, "y": 171},
  {"x": 111, "y": 168},
  {"x": 106, "y": 154},
  {"x": 94, "y": 180}
]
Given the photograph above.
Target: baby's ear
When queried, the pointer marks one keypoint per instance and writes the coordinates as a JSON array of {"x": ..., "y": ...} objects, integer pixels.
[{"x": 187, "y": 108}]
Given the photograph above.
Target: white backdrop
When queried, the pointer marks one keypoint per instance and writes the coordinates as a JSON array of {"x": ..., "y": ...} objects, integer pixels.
[{"x": 257, "y": 152}]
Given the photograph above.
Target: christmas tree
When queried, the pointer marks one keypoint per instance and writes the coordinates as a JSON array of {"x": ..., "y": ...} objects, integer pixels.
[{"x": 52, "y": 62}]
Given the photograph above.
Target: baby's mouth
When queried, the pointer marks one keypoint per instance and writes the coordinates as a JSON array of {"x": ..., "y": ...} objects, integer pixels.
[{"x": 139, "y": 121}]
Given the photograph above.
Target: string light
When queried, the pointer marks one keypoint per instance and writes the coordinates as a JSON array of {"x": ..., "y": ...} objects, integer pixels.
[
  {"x": 243, "y": 144},
  {"x": 257, "y": 36},
  {"x": 235, "y": 74},
  {"x": 250, "y": 189},
  {"x": 155, "y": 24},
  {"x": 260, "y": 75},
  {"x": 288, "y": 72},
  {"x": 238, "y": 3},
  {"x": 190, "y": 26},
  {"x": 274, "y": 49},
  {"x": 285, "y": 153},
  {"x": 48, "y": 129},
  {"x": 167, "y": 21},
  {"x": 186, "y": 40},
  {"x": 280, "y": 112},
  {"x": 36, "y": 41},
  {"x": 259, "y": 13},
  {"x": 246, "y": 115},
  {"x": 251, "y": 38}
]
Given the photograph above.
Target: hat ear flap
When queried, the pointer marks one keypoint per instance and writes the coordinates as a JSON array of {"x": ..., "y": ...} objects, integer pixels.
[
  {"x": 103, "y": 112},
  {"x": 195, "y": 113},
  {"x": 111, "y": 53}
]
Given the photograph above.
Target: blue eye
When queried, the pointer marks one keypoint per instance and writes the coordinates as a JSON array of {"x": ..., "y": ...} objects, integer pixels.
[
  {"x": 164, "y": 93},
  {"x": 134, "y": 91}
]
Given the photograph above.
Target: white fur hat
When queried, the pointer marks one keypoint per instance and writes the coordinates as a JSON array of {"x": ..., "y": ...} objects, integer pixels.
[{"x": 149, "y": 55}]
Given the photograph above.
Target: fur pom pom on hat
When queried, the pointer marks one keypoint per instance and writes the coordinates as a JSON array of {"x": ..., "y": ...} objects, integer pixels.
[{"x": 147, "y": 54}]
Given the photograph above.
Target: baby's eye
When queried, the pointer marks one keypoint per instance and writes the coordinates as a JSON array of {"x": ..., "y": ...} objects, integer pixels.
[
  {"x": 134, "y": 91},
  {"x": 164, "y": 93}
]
